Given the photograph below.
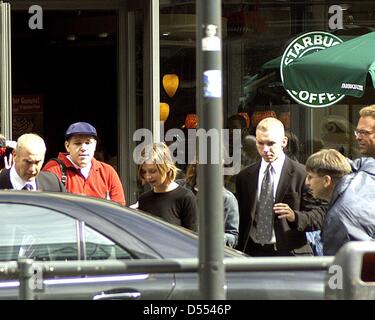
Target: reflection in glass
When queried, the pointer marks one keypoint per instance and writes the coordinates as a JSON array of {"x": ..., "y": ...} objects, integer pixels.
[{"x": 36, "y": 233}]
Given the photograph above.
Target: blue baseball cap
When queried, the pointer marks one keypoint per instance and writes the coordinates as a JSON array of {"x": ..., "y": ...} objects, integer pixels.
[{"x": 80, "y": 128}]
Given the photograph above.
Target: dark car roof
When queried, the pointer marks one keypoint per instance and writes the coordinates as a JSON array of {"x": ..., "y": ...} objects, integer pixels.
[{"x": 167, "y": 240}]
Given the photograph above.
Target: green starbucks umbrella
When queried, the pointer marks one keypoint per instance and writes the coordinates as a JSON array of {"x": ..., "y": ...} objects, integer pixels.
[{"x": 341, "y": 70}]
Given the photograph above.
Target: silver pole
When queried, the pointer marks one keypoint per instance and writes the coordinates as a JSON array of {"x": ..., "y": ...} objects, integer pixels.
[
  {"x": 210, "y": 171},
  {"x": 26, "y": 273},
  {"x": 5, "y": 72}
]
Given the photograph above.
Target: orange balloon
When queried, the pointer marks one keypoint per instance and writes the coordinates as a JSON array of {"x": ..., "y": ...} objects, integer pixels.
[
  {"x": 191, "y": 121},
  {"x": 170, "y": 84},
  {"x": 164, "y": 111}
]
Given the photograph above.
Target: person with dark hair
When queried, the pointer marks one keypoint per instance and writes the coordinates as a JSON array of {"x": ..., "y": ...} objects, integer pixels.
[
  {"x": 249, "y": 153},
  {"x": 80, "y": 171},
  {"x": 231, "y": 215},
  {"x": 292, "y": 148},
  {"x": 25, "y": 174},
  {"x": 244, "y": 147},
  {"x": 236, "y": 121}
]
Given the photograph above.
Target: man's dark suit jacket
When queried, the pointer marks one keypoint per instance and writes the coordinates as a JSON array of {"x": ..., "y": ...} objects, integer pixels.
[
  {"x": 45, "y": 181},
  {"x": 310, "y": 213}
]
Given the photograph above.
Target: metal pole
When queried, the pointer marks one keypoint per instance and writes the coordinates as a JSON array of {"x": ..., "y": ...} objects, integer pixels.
[
  {"x": 5, "y": 71},
  {"x": 26, "y": 273},
  {"x": 210, "y": 170},
  {"x": 51, "y": 269}
]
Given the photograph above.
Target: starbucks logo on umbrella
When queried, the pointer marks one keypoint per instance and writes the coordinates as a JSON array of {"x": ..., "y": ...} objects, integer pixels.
[{"x": 301, "y": 46}]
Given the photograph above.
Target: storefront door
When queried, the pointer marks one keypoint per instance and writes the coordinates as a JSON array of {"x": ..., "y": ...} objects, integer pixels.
[{"x": 93, "y": 62}]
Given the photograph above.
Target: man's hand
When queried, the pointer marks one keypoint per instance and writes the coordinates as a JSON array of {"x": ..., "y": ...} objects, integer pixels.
[{"x": 282, "y": 210}]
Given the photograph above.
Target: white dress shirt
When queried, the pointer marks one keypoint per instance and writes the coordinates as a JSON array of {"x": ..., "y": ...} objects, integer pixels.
[
  {"x": 17, "y": 182},
  {"x": 276, "y": 168}
]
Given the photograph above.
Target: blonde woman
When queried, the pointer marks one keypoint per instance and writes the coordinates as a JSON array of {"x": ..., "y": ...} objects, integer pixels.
[{"x": 166, "y": 199}]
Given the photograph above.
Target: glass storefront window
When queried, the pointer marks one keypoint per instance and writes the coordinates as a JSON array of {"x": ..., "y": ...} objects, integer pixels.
[
  {"x": 255, "y": 35},
  {"x": 177, "y": 56}
]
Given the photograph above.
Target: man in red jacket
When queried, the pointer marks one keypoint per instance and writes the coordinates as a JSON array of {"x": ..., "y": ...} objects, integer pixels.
[{"x": 80, "y": 171}]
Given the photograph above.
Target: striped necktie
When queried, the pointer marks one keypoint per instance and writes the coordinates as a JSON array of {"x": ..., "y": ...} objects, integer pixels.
[{"x": 28, "y": 186}]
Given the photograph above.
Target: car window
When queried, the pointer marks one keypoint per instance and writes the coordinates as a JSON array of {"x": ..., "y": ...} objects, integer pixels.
[
  {"x": 43, "y": 234},
  {"x": 36, "y": 233},
  {"x": 98, "y": 247}
]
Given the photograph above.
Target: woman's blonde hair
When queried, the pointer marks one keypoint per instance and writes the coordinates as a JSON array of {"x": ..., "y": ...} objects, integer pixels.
[{"x": 160, "y": 155}]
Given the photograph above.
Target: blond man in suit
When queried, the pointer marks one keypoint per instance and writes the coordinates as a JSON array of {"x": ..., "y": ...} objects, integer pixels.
[{"x": 294, "y": 211}]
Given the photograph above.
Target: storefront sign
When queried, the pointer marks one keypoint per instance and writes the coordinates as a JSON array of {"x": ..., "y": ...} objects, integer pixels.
[
  {"x": 303, "y": 45},
  {"x": 27, "y": 114}
]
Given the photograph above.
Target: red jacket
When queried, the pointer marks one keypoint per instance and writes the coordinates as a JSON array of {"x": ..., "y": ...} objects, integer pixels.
[{"x": 103, "y": 180}]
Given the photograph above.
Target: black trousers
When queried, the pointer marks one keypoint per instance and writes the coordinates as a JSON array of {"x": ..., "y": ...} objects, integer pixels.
[{"x": 257, "y": 250}]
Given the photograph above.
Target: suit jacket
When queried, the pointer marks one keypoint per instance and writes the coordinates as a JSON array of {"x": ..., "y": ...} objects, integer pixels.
[
  {"x": 45, "y": 181},
  {"x": 310, "y": 213}
]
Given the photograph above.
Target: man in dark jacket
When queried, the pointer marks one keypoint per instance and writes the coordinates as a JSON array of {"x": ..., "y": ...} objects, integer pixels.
[
  {"x": 289, "y": 208},
  {"x": 350, "y": 188},
  {"x": 25, "y": 172}
]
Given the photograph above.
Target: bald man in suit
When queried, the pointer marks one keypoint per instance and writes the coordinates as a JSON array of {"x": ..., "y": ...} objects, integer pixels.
[
  {"x": 25, "y": 173},
  {"x": 294, "y": 210}
]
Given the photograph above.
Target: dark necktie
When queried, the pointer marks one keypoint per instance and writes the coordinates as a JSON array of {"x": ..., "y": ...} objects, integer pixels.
[
  {"x": 265, "y": 212},
  {"x": 28, "y": 187}
]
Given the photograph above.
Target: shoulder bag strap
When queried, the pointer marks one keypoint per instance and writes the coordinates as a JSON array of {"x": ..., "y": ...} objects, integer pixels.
[{"x": 63, "y": 170}]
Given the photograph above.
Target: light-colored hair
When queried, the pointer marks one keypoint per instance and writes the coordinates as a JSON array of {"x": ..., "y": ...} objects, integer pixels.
[
  {"x": 368, "y": 111},
  {"x": 160, "y": 155},
  {"x": 271, "y": 122},
  {"x": 30, "y": 141},
  {"x": 328, "y": 162}
]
